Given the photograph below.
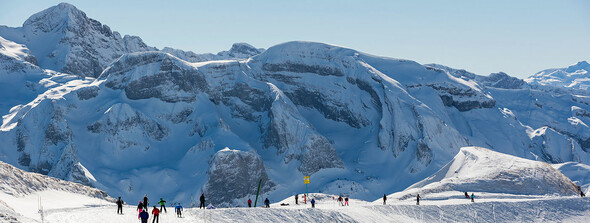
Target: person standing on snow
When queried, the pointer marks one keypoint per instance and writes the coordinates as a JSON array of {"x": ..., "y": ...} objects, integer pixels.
[
  {"x": 267, "y": 203},
  {"x": 156, "y": 214},
  {"x": 139, "y": 209},
  {"x": 144, "y": 216},
  {"x": 120, "y": 206},
  {"x": 384, "y": 199},
  {"x": 313, "y": 203},
  {"x": 340, "y": 200},
  {"x": 178, "y": 210},
  {"x": 249, "y": 203},
  {"x": 346, "y": 201},
  {"x": 162, "y": 204},
  {"x": 296, "y": 198},
  {"x": 466, "y": 194},
  {"x": 145, "y": 201},
  {"x": 418, "y": 199},
  {"x": 472, "y": 197},
  {"x": 202, "y": 205}
]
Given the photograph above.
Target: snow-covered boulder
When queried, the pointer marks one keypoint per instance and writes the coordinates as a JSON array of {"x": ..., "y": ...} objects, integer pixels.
[{"x": 476, "y": 169}]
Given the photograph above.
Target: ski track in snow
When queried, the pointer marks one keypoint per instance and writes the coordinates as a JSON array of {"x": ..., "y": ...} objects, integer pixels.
[{"x": 548, "y": 209}]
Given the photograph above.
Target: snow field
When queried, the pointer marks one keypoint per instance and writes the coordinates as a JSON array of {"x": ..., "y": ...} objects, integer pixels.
[{"x": 538, "y": 209}]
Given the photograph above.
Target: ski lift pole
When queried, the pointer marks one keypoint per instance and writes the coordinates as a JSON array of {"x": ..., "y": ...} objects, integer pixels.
[
  {"x": 258, "y": 191},
  {"x": 306, "y": 182}
]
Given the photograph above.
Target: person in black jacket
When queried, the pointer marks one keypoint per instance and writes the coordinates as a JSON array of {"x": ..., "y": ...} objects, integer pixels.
[
  {"x": 120, "y": 206},
  {"x": 202, "y": 205},
  {"x": 384, "y": 199},
  {"x": 267, "y": 203},
  {"x": 145, "y": 201}
]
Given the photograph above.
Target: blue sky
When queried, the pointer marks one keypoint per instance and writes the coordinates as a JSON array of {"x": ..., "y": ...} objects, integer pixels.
[{"x": 517, "y": 37}]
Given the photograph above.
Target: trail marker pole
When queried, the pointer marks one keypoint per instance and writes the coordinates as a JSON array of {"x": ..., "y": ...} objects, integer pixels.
[
  {"x": 258, "y": 191},
  {"x": 306, "y": 182}
]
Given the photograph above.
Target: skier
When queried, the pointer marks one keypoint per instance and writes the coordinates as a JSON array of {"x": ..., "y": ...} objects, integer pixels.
[
  {"x": 144, "y": 216},
  {"x": 418, "y": 199},
  {"x": 120, "y": 206},
  {"x": 267, "y": 203},
  {"x": 139, "y": 209},
  {"x": 202, "y": 205},
  {"x": 249, "y": 203},
  {"x": 145, "y": 201},
  {"x": 466, "y": 194},
  {"x": 340, "y": 200},
  {"x": 384, "y": 199},
  {"x": 581, "y": 192},
  {"x": 156, "y": 214},
  {"x": 162, "y": 204},
  {"x": 346, "y": 201},
  {"x": 312, "y": 203},
  {"x": 178, "y": 210},
  {"x": 472, "y": 197},
  {"x": 296, "y": 198}
]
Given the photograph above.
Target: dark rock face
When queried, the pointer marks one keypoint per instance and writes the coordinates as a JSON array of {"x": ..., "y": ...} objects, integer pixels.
[
  {"x": 330, "y": 109},
  {"x": 466, "y": 105},
  {"x": 235, "y": 175},
  {"x": 463, "y": 99},
  {"x": 87, "y": 92},
  {"x": 303, "y": 68}
]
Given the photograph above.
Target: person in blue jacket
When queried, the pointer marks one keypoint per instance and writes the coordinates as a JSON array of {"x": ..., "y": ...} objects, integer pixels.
[
  {"x": 144, "y": 216},
  {"x": 178, "y": 210}
]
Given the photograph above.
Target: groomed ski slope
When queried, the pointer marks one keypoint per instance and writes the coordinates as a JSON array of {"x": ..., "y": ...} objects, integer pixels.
[{"x": 508, "y": 209}]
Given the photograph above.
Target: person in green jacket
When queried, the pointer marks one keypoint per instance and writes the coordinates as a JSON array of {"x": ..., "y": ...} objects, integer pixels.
[{"x": 162, "y": 204}]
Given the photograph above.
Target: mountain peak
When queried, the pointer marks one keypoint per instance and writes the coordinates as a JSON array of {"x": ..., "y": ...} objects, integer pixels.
[
  {"x": 56, "y": 18},
  {"x": 582, "y": 65}
]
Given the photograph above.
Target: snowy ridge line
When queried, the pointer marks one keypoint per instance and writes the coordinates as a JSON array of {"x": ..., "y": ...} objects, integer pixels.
[{"x": 16, "y": 182}]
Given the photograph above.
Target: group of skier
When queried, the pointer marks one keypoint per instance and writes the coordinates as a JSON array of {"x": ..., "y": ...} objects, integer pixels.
[{"x": 142, "y": 208}]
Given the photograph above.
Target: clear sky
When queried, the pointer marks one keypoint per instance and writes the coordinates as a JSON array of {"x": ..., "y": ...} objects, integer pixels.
[{"x": 519, "y": 37}]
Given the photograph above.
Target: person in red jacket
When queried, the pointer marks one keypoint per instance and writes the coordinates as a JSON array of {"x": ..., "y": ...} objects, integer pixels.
[
  {"x": 156, "y": 213},
  {"x": 249, "y": 203}
]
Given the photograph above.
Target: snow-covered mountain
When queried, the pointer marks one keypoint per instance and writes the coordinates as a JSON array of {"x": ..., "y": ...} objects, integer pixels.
[
  {"x": 64, "y": 39},
  {"x": 575, "y": 77},
  {"x": 359, "y": 124}
]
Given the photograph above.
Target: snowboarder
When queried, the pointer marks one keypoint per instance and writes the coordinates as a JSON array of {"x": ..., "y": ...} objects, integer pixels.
[
  {"x": 139, "y": 209},
  {"x": 202, "y": 205},
  {"x": 312, "y": 203},
  {"x": 120, "y": 206},
  {"x": 384, "y": 199},
  {"x": 472, "y": 197},
  {"x": 249, "y": 203},
  {"x": 162, "y": 204},
  {"x": 466, "y": 195},
  {"x": 296, "y": 198},
  {"x": 145, "y": 201},
  {"x": 144, "y": 216},
  {"x": 340, "y": 200},
  {"x": 418, "y": 199},
  {"x": 267, "y": 203},
  {"x": 178, "y": 210},
  {"x": 346, "y": 201},
  {"x": 581, "y": 192},
  {"x": 156, "y": 214}
]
